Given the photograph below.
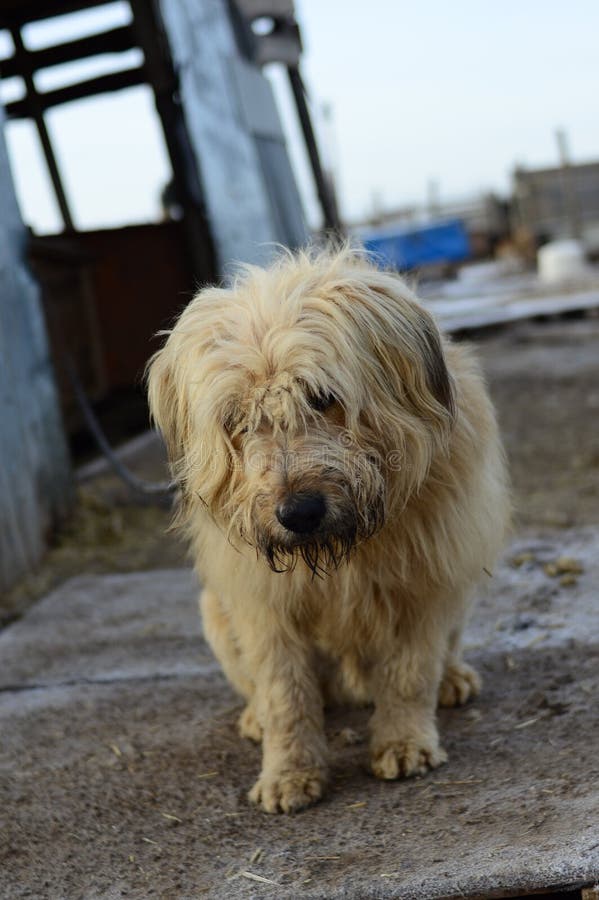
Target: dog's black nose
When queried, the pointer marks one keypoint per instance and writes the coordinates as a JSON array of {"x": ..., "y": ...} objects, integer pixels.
[{"x": 301, "y": 513}]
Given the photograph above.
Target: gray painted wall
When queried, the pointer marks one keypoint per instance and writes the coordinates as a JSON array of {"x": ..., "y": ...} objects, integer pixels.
[
  {"x": 251, "y": 194},
  {"x": 35, "y": 485}
]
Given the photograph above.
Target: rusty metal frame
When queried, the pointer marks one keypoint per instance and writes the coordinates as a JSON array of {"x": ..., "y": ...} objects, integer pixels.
[
  {"x": 146, "y": 32},
  {"x": 36, "y": 112}
]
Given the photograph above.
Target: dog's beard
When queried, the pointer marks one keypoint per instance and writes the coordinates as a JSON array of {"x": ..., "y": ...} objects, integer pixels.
[
  {"x": 324, "y": 552},
  {"x": 321, "y": 555}
]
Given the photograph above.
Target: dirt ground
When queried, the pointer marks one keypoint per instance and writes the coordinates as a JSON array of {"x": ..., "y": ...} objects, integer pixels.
[
  {"x": 123, "y": 775},
  {"x": 544, "y": 378}
]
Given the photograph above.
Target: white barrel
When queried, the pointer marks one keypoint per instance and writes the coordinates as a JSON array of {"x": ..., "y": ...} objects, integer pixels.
[{"x": 561, "y": 261}]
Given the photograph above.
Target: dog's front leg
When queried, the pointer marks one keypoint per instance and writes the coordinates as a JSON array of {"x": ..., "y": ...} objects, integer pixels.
[
  {"x": 404, "y": 736},
  {"x": 290, "y": 708}
]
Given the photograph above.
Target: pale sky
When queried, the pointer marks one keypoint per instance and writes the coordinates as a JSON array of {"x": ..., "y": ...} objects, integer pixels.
[
  {"x": 453, "y": 91},
  {"x": 456, "y": 90}
]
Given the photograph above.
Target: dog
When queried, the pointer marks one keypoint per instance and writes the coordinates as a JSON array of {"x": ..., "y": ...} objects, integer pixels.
[{"x": 343, "y": 488}]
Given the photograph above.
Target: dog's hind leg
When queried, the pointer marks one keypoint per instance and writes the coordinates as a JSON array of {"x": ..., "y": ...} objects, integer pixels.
[
  {"x": 460, "y": 681},
  {"x": 345, "y": 682},
  {"x": 248, "y": 723}
]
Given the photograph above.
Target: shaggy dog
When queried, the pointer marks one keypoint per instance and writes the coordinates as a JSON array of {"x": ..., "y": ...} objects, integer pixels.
[{"x": 343, "y": 488}]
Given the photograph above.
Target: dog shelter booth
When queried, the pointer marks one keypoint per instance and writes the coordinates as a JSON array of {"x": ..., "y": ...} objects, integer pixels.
[{"x": 99, "y": 295}]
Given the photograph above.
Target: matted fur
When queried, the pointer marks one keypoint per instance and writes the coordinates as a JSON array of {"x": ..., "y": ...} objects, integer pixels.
[{"x": 324, "y": 374}]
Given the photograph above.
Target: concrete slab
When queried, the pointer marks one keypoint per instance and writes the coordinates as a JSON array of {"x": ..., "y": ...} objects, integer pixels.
[
  {"x": 121, "y": 774},
  {"x": 465, "y": 305},
  {"x": 111, "y": 628},
  {"x": 517, "y": 310}
]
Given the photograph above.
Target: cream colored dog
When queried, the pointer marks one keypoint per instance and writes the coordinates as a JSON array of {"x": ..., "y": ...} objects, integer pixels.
[{"x": 343, "y": 487}]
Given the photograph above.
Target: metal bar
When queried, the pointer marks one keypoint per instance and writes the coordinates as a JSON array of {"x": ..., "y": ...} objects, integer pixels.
[
  {"x": 162, "y": 78},
  {"x": 103, "y": 84},
  {"x": 37, "y": 114},
  {"x": 117, "y": 40},
  {"x": 325, "y": 196},
  {"x": 16, "y": 13}
]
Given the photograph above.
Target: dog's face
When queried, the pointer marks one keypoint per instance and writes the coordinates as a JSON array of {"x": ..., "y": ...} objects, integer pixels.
[{"x": 303, "y": 405}]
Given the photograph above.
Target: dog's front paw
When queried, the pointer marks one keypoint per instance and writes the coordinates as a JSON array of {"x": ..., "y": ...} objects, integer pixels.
[
  {"x": 460, "y": 682},
  {"x": 288, "y": 791},
  {"x": 405, "y": 757}
]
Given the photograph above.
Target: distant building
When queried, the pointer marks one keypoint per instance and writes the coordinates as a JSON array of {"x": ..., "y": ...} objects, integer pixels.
[{"x": 558, "y": 202}]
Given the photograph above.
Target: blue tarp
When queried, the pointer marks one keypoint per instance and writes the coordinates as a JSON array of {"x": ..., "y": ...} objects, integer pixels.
[{"x": 408, "y": 248}]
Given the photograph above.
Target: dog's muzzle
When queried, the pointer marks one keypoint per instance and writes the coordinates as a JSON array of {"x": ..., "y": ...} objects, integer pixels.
[{"x": 302, "y": 513}]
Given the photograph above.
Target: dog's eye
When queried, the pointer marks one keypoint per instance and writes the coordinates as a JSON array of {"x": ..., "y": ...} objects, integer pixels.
[{"x": 320, "y": 402}]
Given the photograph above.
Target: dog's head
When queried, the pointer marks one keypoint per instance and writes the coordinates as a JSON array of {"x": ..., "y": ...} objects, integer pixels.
[{"x": 303, "y": 405}]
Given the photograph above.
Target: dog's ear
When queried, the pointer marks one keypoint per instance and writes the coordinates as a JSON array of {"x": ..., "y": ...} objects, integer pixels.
[
  {"x": 438, "y": 379},
  {"x": 406, "y": 341},
  {"x": 168, "y": 408}
]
